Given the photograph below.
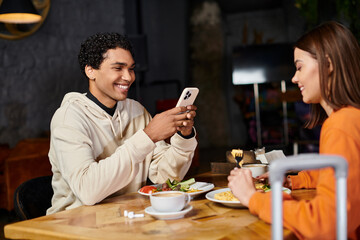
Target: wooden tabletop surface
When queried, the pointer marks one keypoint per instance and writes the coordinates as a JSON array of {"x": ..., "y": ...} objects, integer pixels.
[{"x": 207, "y": 220}]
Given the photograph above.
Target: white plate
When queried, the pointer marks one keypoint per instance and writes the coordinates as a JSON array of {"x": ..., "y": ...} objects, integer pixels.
[
  {"x": 168, "y": 215},
  {"x": 211, "y": 196},
  {"x": 203, "y": 186}
]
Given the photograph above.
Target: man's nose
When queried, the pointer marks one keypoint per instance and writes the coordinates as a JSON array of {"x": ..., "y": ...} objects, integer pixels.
[{"x": 126, "y": 75}]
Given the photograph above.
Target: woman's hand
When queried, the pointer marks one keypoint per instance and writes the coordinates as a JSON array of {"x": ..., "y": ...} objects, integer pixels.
[
  {"x": 287, "y": 182},
  {"x": 241, "y": 185},
  {"x": 265, "y": 177}
]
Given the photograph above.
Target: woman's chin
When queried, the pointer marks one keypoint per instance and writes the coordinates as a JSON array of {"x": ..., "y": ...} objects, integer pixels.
[{"x": 306, "y": 100}]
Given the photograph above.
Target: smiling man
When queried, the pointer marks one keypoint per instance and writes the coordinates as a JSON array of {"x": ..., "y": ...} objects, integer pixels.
[{"x": 104, "y": 144}]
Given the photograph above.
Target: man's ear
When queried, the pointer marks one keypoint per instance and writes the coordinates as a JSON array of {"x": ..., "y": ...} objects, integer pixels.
[
  {"x": 90, "y": 73},
  {"x": 330, "y": 65}
]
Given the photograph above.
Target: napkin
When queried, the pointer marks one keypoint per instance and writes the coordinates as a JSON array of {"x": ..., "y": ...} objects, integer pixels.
[{"x": 271, "y": 156}]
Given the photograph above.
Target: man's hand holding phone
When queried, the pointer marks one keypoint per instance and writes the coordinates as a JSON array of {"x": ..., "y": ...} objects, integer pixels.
[
  {"x": 180, "y": 118},
  {"x": 187, "y": 99},
  {"x": 188, "y": 120},
  {"x": 167, "y": 123}
]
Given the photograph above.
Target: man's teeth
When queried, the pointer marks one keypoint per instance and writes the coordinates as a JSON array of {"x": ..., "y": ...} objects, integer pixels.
[
  {"x": 302, "y": 88},
  {"x": 123, "y": 87}
]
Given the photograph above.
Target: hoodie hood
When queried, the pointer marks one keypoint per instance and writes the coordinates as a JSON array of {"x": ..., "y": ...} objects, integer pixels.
[
  {"x": 82, "y": 99},
  {"x": 92, "y": 110}
]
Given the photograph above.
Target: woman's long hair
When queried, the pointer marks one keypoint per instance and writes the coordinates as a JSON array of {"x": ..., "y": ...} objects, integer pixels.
[{"x": 333, "y": 42}]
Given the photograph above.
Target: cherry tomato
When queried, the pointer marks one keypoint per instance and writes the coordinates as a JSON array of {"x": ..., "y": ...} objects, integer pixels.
[{"x": 148, "y": 189}]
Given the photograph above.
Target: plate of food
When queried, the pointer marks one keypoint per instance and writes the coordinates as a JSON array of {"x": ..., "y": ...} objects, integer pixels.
[
  {"x": 266, "y": 187},
  {"x": 189, "y": 186},
  {"x": 225, "y": 197}
]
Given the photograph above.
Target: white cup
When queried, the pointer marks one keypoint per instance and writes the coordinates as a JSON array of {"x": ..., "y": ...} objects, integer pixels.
[
  {"x": 256, "y": 169},
  {"x": 169, "y": 201}
]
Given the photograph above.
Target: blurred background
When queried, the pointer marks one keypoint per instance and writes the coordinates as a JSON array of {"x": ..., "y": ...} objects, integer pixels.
[{"x": 237, "y": 52}]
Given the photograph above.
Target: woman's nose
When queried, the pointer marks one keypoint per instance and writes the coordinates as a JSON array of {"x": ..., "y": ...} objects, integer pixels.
[{"x": 294, "y": 79}]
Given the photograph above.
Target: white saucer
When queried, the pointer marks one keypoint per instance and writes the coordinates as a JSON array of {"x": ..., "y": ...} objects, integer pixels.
[{"x": 168, "y": 215}]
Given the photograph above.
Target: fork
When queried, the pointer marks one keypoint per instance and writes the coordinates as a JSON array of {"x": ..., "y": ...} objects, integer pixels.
[{"x": 238, "y": 155}]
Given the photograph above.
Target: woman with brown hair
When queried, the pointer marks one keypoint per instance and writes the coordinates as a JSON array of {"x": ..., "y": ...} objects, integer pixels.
[{"x": 327, "y": 61}]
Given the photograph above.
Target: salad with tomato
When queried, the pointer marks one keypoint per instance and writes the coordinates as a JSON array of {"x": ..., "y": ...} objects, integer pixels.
[{"x": 169, "y": 185}]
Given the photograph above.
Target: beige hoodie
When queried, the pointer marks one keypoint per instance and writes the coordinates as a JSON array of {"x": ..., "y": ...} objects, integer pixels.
[{"x": 95, "y": 155}]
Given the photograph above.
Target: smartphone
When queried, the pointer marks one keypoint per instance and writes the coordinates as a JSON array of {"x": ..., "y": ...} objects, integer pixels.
[{"x": 187, "y": 97}]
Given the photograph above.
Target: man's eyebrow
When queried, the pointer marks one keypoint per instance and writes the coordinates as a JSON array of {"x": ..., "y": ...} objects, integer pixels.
[
  {"x": 119, "y": 63},
  {"x": 122, "y": 64}
]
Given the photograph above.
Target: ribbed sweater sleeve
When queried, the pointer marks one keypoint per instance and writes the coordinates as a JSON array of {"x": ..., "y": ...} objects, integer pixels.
[
  {"x": 316, "y": 218},
  {"x": 305, "y": 179},
  {"x": 260, "y": 204}
]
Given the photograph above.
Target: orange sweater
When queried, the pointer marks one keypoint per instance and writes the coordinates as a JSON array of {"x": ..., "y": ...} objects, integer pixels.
[{"x": 316, "y": 219}]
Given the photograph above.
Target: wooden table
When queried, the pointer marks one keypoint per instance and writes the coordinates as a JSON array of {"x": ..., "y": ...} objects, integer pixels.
[{"x": 207, "y": 220}]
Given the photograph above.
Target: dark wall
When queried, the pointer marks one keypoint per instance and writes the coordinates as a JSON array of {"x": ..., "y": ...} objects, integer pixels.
[
  {"x": 164, "y": 23},
  {"x": 38, "y": 70}
]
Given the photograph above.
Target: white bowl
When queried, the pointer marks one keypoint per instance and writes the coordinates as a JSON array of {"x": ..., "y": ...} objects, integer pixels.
[{"x": 256, "y": 169}]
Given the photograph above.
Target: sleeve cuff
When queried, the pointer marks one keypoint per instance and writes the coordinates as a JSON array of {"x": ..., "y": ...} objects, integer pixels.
[
  {"x": 296, "y": 182},
  {"x": 260, "y": 204},
  {"x": 192, "y": 134},
  {"x": 256, "y": 202},
  {"x": 185, "y": 144}
]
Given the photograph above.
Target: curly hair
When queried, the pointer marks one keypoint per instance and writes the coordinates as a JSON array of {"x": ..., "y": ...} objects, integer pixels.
[{"x": 92, "y": 50}]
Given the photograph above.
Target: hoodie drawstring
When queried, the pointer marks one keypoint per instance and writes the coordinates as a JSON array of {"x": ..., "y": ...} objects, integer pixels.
[
  {"x": 119, "y": 119},
  {"x": 111, "y": 124}
]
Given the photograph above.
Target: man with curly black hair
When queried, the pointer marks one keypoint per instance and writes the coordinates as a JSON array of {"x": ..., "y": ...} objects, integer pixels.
[{"x": 105, "y": 144}]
